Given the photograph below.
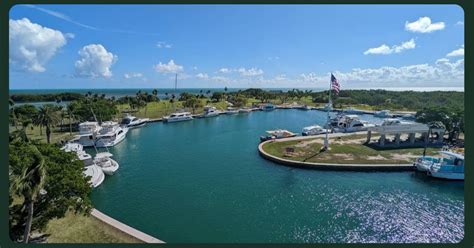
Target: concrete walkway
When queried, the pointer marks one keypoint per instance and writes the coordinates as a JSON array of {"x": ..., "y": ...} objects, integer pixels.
[
  {"x": 124, "y": 228},
  {"x": 329, "y": 166}
]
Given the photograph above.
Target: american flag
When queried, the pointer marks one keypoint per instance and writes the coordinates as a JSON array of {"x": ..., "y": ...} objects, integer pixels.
[{"x": 335, "y": 84}]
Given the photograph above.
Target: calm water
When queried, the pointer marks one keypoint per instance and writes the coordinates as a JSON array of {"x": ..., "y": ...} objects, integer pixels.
[{"x": 203, "y": 181}]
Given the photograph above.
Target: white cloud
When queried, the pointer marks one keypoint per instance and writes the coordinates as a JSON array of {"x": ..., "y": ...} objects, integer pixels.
[
  {"x": 224, "y": 70},
  {"x": 459, "y": 23},
  {"x": 202, "y": 76},
  {"x": 280, "y": 77},
  {"x": 32, "y": 45},
  {"x": 457, "y": 52},
  {"x": 170, "y": 67},
  {"x": 384, "y": 49},
  {"x": 162, "y": 44},
  {"x": 424, "y": 25},
  {"x": 250, "y": 72},
  {"x": 132, "y": 75},
  {"x": 95, "y": 61}
]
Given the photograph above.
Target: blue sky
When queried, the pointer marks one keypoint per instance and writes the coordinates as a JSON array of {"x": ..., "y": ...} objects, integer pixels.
[{"x": 142, "y": 46}]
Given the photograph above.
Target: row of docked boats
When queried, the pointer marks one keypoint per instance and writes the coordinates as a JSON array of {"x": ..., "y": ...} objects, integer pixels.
[
  {"x": 108, "y": 133},
  {"x": 210, "y": 111},
  {"x": 448, "y": 165}
]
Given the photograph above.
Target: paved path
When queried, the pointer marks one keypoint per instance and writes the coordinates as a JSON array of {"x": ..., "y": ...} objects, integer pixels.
[{"x": 124, "y": 228}]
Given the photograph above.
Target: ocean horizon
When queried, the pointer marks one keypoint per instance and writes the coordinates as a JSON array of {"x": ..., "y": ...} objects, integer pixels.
[{"x": 120, "y": 92}]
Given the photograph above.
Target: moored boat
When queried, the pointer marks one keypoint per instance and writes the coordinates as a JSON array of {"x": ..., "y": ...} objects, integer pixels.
[
  {"x": 232, "y": 111},
  {"x": 210, "y": 111},
  {"x": 130, "y": 121},
  {"x": 451, "y": 168},
  {"x": 277, "y": 134},
  {"x": 110, "y": 135},
  {"x": 349, "y": 123},
  {"x": 87, "y": 132},
  {"x": 104, "y": 161},
  {"x": 313, "y": 130},
  {"x": 178, "y": 116},
  {"x": 245, "y": 110}
]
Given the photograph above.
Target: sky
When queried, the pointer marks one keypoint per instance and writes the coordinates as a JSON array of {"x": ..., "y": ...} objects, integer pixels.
[{"x": 235, "y": 46}]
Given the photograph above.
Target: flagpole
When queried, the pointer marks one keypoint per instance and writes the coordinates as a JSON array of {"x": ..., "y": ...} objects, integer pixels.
[{"x": 326, "y": 140}]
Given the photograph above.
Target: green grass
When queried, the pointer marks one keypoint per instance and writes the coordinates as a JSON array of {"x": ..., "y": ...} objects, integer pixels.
[
  {"x": 156, "y": 110},
  {"x": 342, "y": 153},
  {"x": 75, "y": 228}
]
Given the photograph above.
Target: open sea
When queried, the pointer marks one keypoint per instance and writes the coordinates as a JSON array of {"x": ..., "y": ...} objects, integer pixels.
[{"x": 203, "y": 181}]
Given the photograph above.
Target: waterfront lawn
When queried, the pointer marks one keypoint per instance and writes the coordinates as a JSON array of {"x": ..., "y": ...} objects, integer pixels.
[
  {"x": 75, "y": 228},
  {"x": 343, "y": 152},
  {"x": 162, "y": 108},
  {"x": 34, "y": 133}
]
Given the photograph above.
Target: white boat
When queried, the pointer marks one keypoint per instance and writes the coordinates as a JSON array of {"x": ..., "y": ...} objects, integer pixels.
[
  {"x": 383, "y": 114},
  {"x": 352, "y": 110},
  {"x": 210, "y": 111},
  {"x": 277, "y": 134},
  {"x": 108, "y": 165},
  {"x": 395, "y": 125},
  {"x": 130, "y": 121},
  {"x": 449, "y": 166},
  {"x": 313, "y": 130},
  {"x": 245, "y": 110},
  {"x": 232, "y": 111},
  {"x": 72, "y": 147},
  {"x": 96, "y": 175},
  {"x": 179, "y": 116},
  {"x": 351, "y": 123},
  {"x": 87, "y": 132},
  {"x": 90, "y": 168},
  {"x": 110, "y": 135}
]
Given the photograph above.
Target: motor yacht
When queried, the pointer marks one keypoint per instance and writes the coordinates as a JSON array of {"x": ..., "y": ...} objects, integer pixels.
[
  {"x": 210, "y": 111},
  {"x": 130, "y": 121},
  {"x": 90, "y": 168},
  {"x": 232, "y": 111},
  {"x": 111, "y": 134},
  {"x": 350, "y": 123},
  {"x": 313, "y": 130},
  {"x": 245, "y": 110},
  {"x": 277, "y": 134},
  {"x": 179, "y": 116},
  {"x": 87, "y": 132}
]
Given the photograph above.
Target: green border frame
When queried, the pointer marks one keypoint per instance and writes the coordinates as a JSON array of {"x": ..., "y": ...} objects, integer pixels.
[{"x": 467, "y": 5}]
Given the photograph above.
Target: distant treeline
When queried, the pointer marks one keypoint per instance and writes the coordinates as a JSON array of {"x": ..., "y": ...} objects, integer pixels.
[
  {"x": 413, "y": 100},
  {"x": 46, "y": 97}
]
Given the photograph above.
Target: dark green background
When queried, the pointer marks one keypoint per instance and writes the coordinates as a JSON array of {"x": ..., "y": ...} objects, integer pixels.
[{"x": 468, "y": 7}]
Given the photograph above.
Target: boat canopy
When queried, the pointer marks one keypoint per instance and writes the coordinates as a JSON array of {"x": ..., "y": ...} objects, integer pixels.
[
  {"x": 453, "y": 154},
  {"x": 103, "y": 155}
]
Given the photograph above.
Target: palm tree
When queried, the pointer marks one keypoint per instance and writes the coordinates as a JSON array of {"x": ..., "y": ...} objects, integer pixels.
[
  {"x": 70, "y": 112},
  {"x": 48, "y": 117},
  {"x": 28, "y": 183}
]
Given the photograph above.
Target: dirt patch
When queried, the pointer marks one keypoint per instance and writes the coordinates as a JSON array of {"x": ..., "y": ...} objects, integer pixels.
[
  {"x": 378, "y": 157},
  {"x": 344, "y": 156},
  {"x": 406, "y": 157},
  {"x": 308, "y": 142}
]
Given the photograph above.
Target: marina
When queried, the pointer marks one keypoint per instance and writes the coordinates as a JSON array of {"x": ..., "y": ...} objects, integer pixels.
[{"x": 194, "y": 197}]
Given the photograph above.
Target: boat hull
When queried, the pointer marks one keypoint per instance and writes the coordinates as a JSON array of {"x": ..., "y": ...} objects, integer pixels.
[
  {"x": 447, "y": 175},
  {"x": 178, "y": 120}
]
